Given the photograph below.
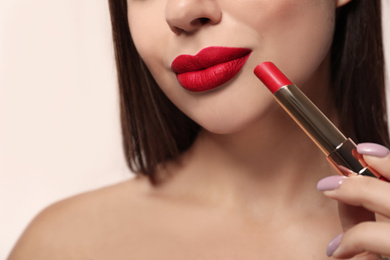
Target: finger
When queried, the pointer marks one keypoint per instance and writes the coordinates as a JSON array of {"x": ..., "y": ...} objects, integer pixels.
[
  {"x": 368, "y": 256},
  {"x": 371, "y": 237},
  {"x": 377, "y": 156},
  {"x": 352, "y": 215},
  {"x": 349, "y": 215},
  {"x": 381, "y": 165},
  {"x": 359, "y": 191}
]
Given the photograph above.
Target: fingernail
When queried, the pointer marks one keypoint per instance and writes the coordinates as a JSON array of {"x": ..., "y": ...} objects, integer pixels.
[
  {"x": 334, "y": 244},
  {"x": 372, "y": 149},
  {"x": 330, "y": 182}
]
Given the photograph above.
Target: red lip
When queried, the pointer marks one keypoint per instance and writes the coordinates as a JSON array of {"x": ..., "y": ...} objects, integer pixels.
[{"x": 210, "y": 68}]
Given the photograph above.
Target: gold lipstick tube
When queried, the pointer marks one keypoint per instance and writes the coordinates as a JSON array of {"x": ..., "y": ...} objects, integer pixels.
[{"x": 339, "y": 150}]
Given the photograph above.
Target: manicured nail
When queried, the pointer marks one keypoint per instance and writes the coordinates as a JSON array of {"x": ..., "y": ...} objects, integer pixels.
[
  {"x": 334, "y": 244},
  {"x": 330, "y": 182},
  {"x": 372, "y": 149}
]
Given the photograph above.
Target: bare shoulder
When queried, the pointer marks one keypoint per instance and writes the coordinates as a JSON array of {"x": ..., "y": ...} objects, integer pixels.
[{"x": 79, "y": 225}]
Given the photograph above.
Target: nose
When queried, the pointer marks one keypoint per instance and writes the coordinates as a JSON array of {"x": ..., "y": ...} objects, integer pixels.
[{"x": 189, "y": 15}]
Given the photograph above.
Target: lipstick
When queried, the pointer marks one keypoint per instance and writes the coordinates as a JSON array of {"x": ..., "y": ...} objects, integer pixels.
[
  {"x": 210, "y": 68},
  {"x": 339, "y": 150}
]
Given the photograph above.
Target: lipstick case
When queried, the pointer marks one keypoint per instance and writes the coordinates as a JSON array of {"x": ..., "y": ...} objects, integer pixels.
[{"x": 340, "y": 151}]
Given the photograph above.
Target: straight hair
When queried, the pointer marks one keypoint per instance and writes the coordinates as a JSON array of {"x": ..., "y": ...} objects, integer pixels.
[
  {"x": 154, "y": 130},
  {"x": 358, "y": 75}
]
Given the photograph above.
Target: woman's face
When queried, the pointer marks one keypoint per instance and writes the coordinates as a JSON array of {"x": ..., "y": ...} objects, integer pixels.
[{"x": 294, "y": 34}]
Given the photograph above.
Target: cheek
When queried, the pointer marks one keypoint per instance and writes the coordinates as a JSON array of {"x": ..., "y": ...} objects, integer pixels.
[
  {"x": 147, "y": 27},
  {"x": 290, "y": 32},
  {"x": 150, "y": 34}
]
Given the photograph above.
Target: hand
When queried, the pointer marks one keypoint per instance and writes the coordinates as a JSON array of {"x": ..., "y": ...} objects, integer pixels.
[{"x": 360, "y": 198}]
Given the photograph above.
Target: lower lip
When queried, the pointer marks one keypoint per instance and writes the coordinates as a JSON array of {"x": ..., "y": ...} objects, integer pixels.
[{"x": 213, "y": 77}]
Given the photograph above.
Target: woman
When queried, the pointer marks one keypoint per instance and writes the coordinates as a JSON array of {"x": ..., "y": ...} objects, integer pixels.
[{"x": 224, "y": 173}]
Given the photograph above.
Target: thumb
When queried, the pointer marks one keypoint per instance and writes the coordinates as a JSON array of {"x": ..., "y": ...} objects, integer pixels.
[{"x": 377, "y": 157}]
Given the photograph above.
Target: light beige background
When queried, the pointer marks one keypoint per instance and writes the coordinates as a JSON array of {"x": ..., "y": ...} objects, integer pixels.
[
  {"x": 59, "y": 118},
  {"x": 59, "y": 124}
]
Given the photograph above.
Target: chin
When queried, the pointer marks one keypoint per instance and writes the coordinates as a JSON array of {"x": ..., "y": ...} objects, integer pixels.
[
  {"x": 229, "y": 112},
  {"x": 229, "y": 124}
]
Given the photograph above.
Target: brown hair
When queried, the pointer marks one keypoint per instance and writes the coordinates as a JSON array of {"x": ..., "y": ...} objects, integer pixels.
[
  {"x": 358, "y": 72},
  {"x": 154, "y": 130}
]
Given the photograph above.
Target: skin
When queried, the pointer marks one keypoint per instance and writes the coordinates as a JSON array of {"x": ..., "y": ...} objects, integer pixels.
[{"x": 256, "y": 198}]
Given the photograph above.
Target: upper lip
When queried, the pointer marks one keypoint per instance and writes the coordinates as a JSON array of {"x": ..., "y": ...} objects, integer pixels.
[{"x": 207, "y": 58}]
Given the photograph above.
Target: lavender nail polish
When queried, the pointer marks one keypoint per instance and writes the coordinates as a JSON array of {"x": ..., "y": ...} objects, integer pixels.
[
  {"x": 330, "y": 182},
  {"x": 372, "y": 149},
  {"x": 334, "y": 244}
]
